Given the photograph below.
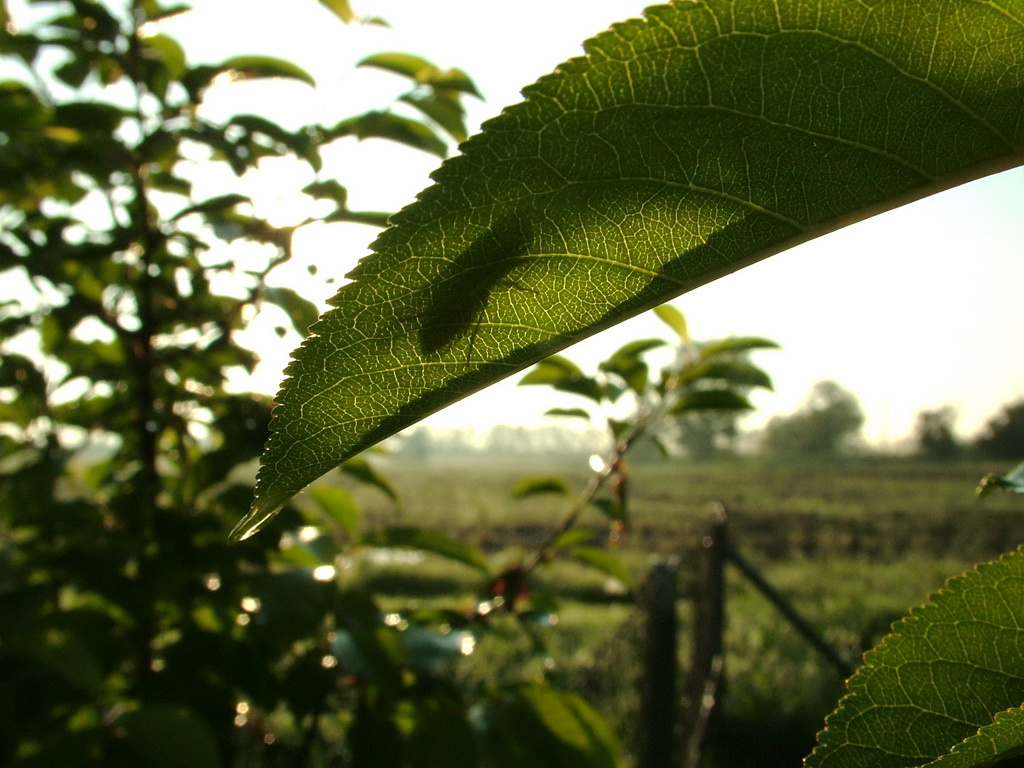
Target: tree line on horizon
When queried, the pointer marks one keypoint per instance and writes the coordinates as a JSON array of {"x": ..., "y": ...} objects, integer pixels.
[{"x": 827, "y": 424}]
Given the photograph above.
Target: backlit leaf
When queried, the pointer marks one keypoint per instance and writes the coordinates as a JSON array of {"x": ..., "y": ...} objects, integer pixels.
[
  {"x": 603, "y": 561},
  {"x": 565, "y": 376},
  {"x": 738, "y": 373},
  {"x": 532, "y": 486},
  {"x": 387, "y": 125},
  {"x": 576, "y": 413},
  {"x": 249, "y": 67},
  {"x": 675, "y": 320},
  {"x": 710, "y": 400},
  {"x": 682, "y": 147},
  {"x": 360, "y": 469},
  {"x": 405, "y": 64},
  {"x": 1013, "y": 482},
  {"x": 736, "y": 345},
  {"x": 337, "y": 505},
  {"x": 342, "y": 9},
  {"x": 946, "y": 671}
]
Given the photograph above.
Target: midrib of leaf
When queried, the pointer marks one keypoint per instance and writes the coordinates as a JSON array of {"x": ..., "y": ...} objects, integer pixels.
[{"x": 649, "y": 167}]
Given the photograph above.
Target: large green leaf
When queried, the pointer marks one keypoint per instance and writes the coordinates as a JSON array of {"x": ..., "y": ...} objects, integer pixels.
[
  {"x": 942, "y": 678},
  {"x": 683, "y": 146}
]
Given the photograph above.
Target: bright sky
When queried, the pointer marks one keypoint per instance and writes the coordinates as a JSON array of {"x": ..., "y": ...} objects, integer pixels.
[{"x": 912, "y": 309}]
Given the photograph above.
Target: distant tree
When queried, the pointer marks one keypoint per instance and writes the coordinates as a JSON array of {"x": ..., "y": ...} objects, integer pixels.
[
  {"x": 822, "y": 426},
  {"x": 506, "y": 440},
  {"x": 413, "y": 445},
  {"x": 1003, "y": 435},
  {"x": 708, "y": 435},
  {"x": 933, "y": 434}
]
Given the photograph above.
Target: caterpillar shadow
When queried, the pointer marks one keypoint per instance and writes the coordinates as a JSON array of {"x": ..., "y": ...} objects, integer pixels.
[{"x": 461, "y": 293}]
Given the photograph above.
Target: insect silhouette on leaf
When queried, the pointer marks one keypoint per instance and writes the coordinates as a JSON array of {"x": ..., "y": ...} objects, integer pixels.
[{"x": 460, "y": 294}]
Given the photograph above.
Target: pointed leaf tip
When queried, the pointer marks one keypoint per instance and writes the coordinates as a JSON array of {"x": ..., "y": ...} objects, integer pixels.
[{"x": 253, "y": 522}]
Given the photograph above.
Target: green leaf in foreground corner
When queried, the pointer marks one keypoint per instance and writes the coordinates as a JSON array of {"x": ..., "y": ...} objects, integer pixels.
[
  {"x": 946, "y": 671},
  {"x": 1001, "y": 740},
  {"x": 683, "y": 146}
]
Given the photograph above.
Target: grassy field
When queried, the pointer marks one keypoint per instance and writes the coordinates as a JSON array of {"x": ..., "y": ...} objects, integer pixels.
[
  {"x": 853, "y": 546},
  {"x": 872, "y": 509}
]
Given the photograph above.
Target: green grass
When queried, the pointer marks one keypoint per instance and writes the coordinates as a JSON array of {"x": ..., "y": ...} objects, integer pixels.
[
  {"x": 873, "y": 509},
  {"x": 853, "y": 546}
]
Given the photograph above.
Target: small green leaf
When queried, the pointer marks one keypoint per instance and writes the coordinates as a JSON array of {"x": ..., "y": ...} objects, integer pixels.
[
  {"x": 553, "y": 370},
  {"x": 362, "y": 470},
  {"x": 565, "y": 376},
  {"x": 456, "y": 80},
  {"x": 420, "y": 70},
  {"x": 434, "y": 542},
  {"x": 710, "y": 400},
  {"x": 73, "y": 72},
  {"x": 603, "y": 561},
  {"x": 388, "y": 125},
  {"x": 264, "y": 137},
  {"x": 328, "y": 190},
  {"x": 1013, "y": 482},
  {"x": 446, "y": 111},
  {"x": 532, "y": 486},
  {"x": 675, "y": 320},
  {"x": 342, "y": 9},
  {"x": 737, "y": 373},
  {"x": 168, "y": 51},
  {"x": 576, "y": 413},
  {"x": 570, "y": 538},
  {"x": 629, "y": 353},
  {"x": 736, "y": 345},
  {"x": 405, "y": 64},
  {"x": 302, "y": 312},
  {"x": 627, "y": 363},
  {"x": 216, "y": 204},
  {"x": 91, "y": 116},
  {"x": 610, "y": 509},
  {"x": 337, "y": 505},
  {"x": 252, "y": 67}
]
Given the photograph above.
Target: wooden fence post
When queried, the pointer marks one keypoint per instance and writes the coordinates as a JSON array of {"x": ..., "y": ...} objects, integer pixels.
[
  {"x": 659, "y": 707},
  {"x": 704, "y": 682}
]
